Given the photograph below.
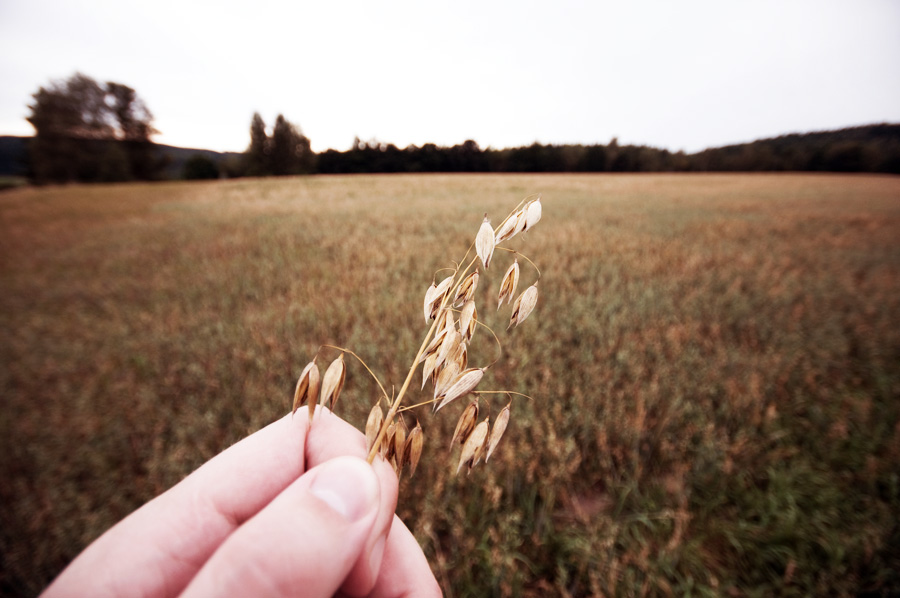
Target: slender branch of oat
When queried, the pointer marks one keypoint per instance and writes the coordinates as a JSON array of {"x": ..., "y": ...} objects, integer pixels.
[
  {"x": 360, "y": 359},
  {"x": 410, "y": 407},
  {"x": 523, "y": 256},
  {"x": 499, "y": 344},
  {"x": 396, "y": 404},
  {"x": 415, "y": 363},
  {"x": 502, "y": 392}
]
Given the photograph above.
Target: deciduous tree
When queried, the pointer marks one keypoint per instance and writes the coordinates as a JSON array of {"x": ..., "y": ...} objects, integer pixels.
[{"x": 86, "y": 131}]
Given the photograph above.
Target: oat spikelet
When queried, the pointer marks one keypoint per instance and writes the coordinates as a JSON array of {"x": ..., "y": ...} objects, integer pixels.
[
  {"x": 428, "y": 368},
  {"x": 461, "y": 357},
  {"x": 468, "y": 320},
  {"x": 412, "y": 452},
  {"x": 497, "y": 431},
  {"x": 434, "y": 296},
  {"x": 466, "y": 423},
  {"x": 434, "y": 345},
  {"x": 466, "y": 289},
  {"x": 387, "y": 444},
  {"x": 448, "y": 347},
  {"x": 333, "y": 381},
  {"x": 484, "y": 242},
  {"x": 446, "y": 378},
  {"x": 429, "y": 300},
  {"x": 520, "y": 223},
  {"x": 523, "y": 306},
  {"x": 508, "y": 228},
  {"x": 532, "y": 216},
  {"x": 399, "y": 442},
  {"x": 509, "y": 284},
  {"x": 307, "y": 387},
  {"x": 473, "y": 446},
  {"x": 373, "y": 425},
  {"x": 448, "y": 324},
  {"x": 465, "y": 383}
]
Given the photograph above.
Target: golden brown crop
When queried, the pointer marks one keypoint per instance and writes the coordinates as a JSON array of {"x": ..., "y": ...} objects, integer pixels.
[{"x": 443, "y": 352}]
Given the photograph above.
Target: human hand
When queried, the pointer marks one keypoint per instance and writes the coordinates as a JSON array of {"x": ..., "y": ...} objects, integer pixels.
[{"x": 291, "y": 510}]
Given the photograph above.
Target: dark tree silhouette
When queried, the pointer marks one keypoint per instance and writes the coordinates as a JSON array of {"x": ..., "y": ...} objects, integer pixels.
[
  {"x": 291, "y": 153},
  {"x": 85, "y": 131},
  {"x": 256, "y": 158},
  {"x": 286, "y": 152}
]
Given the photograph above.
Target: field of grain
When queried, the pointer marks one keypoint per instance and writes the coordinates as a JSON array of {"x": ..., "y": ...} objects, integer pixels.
[{"x": 714, "y": 361}]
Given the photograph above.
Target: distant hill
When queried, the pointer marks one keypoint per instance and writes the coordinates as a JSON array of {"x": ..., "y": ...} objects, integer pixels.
[
  {"x": 870, "y": 148},
  {"x": 14, "y": 157},
  {"x": 177, "y": 156}
]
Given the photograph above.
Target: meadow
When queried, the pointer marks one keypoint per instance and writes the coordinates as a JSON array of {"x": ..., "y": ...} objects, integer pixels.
[{"x": 714, "y": 363}]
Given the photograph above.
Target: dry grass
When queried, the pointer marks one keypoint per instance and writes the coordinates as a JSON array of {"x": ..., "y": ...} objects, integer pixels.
[{"x": 714, "y": 360}]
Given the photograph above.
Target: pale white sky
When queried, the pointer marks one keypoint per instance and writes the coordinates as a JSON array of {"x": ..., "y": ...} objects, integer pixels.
[{"x": 678, "y": 75}]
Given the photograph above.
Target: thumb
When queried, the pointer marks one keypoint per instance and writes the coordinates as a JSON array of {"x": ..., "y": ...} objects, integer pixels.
[{"x": 303, "y": 543}]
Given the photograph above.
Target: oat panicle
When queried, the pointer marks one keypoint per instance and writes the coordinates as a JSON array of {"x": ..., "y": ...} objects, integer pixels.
[{"x": 451, "y": 313}]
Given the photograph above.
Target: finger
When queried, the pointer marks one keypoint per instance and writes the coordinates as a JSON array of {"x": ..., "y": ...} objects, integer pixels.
[
  {"x": 325, "y": 443},
  {"x": 180, "y": 529},
  {"x": 404, "y": 570},
  {"x": 304, "y": 542}
]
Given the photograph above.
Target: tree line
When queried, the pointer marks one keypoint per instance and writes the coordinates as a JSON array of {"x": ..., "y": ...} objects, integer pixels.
[{"x": 93, "y": 132}]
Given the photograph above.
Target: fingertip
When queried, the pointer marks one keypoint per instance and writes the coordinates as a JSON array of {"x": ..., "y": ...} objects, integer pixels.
[{"x": 348, "y": 486}]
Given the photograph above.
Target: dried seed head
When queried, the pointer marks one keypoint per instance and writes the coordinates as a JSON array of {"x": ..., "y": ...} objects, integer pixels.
[
  {"x": 333, "y": 381},
  {"x": 509, "y": 283},
  {"x": 412, "y": 452},
  {"x": 448, "y": 347},
  {"x": 465, "y": 383},
  {"x": 497, "y": 431},
  {"x": 508, "y": 228},
  {"x": 482, "y": 449},
  {"x": 373, "y": 425},
  {"x": 461, "y": 357},
  {"x": 429, "y": 300},
  {"x": 434, "y": 296},
  {"x": 466, "y": 289},
  {"x": 520, "y": 223},
  {"x": 484, "y": 242},
  {"x": 468, "y": 320},
  {"x": 387, "y": 443},
  {"x": 446, "y": 378},
  {"x": 399, "y": 442},
  {"x": 307, "y": 387},
  {"x": 466, "y": 423},
  {"x": 473, "y": 446},
  {"x": 435, "y": 344},
  {"x": 428, "y": 368},
  {"x": 448, "y": 324},
  {"x": 523, "y": 306},
  {"x": 532, "y": 213}
]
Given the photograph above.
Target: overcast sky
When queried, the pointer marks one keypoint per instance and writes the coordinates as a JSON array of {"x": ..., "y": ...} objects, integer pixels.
[{"x": 678, "y": 75}]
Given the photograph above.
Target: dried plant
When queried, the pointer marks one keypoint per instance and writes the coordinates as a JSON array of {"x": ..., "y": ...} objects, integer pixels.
[{"x": 443, "y": 355}]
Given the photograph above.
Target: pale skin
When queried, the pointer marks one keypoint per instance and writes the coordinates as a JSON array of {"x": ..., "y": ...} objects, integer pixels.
[{"x": 291, "y": 510}]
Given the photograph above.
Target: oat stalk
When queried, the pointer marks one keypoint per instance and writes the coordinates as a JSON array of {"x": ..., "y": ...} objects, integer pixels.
[{"x": 443, "y": 353}]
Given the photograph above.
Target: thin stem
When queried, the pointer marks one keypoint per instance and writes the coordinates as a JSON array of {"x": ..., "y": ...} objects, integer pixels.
[
  {"x": 422, "y": 404},
  {"x": 412, "y": 370},
  {"x": 497, "y": 339},
  {"x": 502, "y": 392},
  {"x": 523, "y": 256},
  {"x": 359, "y": 359}
]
